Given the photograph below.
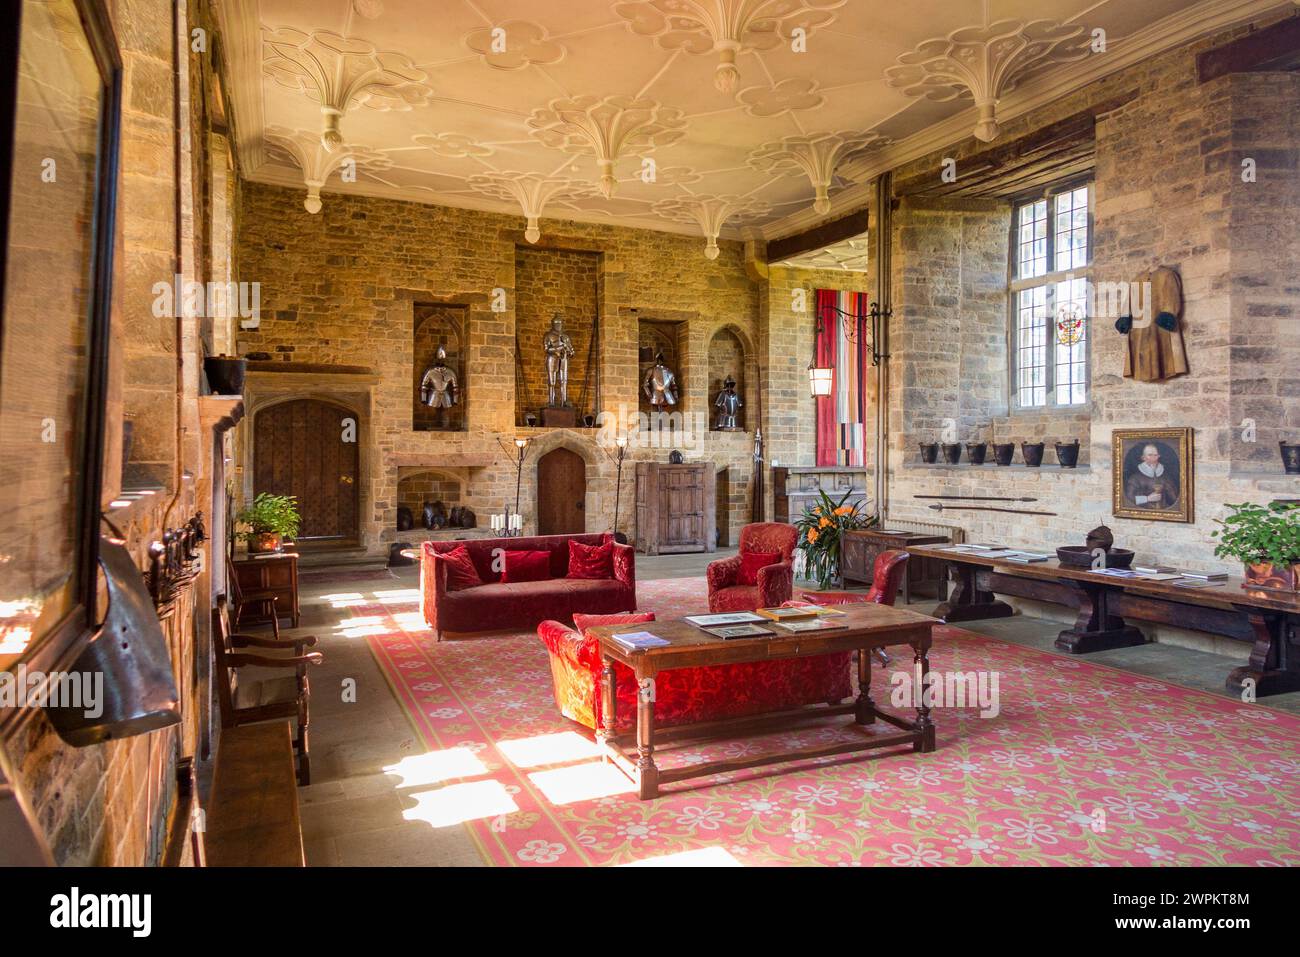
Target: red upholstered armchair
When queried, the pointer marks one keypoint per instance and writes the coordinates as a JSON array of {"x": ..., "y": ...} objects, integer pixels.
[{"x": 775, "y": 582}]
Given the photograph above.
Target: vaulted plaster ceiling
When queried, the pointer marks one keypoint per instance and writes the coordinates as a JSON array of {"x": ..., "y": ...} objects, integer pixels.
[{"x": 734, "y": 117}]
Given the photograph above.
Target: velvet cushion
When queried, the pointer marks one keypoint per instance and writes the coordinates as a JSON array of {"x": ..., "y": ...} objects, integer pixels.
[
  {"x": 526, "y": 566},
  {"x": 461, "y": 572},
  {"x": 583, "y": 622},
  {"x": 591, "y": 561},
  {"x": 751, "y": 562}
]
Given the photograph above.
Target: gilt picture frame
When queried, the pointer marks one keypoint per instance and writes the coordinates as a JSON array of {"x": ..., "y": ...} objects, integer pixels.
[{"x": 1152, "y": 475}]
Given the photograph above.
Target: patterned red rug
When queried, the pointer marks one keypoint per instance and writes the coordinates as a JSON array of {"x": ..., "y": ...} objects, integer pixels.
[{"x": 1083, "y": 764}]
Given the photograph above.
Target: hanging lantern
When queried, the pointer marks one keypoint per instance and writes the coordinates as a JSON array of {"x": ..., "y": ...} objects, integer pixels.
[{"x": 819, "y": 380}]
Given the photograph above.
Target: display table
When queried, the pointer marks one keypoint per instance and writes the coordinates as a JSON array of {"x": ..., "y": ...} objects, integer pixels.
[
  {"x": 868, "y": 626},
  {"x": 1267, "y": 619}
]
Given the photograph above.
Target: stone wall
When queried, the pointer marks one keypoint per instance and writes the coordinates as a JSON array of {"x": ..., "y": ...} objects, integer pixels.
[
  {"x": 1168, "y": 191},
  {"x": 112, "y": 804},
  {"x": 340, "y": 289}
]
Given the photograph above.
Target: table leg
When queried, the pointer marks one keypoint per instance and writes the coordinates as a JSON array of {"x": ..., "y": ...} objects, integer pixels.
[
  {"x": 1270, "y": 669},
  {"x": 1097, "y": 628},
  {"x": 865, "y": 711},
  {"x": 647, "y": 771},
  {"x": 969, "y": 602},
  {"x": 608, "y": 701},
  {"x": 923, "y": 723}
]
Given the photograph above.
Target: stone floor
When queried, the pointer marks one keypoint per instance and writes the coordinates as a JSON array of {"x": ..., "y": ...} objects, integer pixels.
[{"x": 355, "y": 814}]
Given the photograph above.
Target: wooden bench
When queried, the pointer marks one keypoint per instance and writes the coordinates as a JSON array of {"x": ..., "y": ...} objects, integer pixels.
[
  {"x": 1269, "y": 620},
  {"x": 252, "y": 818}
]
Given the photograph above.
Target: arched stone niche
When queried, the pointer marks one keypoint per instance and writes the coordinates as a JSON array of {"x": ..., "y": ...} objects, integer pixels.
[
  {"x": 730, "y": 354},
  {"x": 446, "y": 325},
  {"x": 670, "y": 338}
]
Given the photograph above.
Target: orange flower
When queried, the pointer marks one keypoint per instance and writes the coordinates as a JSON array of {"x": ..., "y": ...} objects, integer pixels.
[
  {"x": 844, "y": 510},
  {"x": 824, "y": 522},
  {"x": 812, "y": 535}
]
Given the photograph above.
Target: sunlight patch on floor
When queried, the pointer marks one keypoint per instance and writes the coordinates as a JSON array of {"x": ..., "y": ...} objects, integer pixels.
[
  {"x": 348, "y": 599},
  {"x": 434, "y": 767},
  {"x": 559, "y": 748},
  {"x": 582, "y": 782},
  {"x": 410, "y": 621},
  {"x": 398, "y": 596},
  {"x": 701, "y": 857},
  {"x": 458, "y": 803}
]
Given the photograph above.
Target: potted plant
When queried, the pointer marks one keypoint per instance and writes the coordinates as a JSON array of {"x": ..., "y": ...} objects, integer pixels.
[
  {"x": 268, "y": 521},
  {"x": 1266, "y": 540},
  {"x": 821, "y": 532}
]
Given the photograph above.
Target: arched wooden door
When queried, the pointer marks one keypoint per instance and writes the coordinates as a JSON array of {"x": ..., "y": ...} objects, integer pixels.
[
  {"x": 308, "y": 449},
  {"x": 561, "y": 493}
]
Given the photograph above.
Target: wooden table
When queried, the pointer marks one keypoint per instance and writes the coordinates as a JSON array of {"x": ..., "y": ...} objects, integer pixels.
[
  {"x": 1269, "y": 620},
  {"x": 252, "y": 818},
  {"x": 869, "y": 626},
  {"x": 275, "y": 572}
]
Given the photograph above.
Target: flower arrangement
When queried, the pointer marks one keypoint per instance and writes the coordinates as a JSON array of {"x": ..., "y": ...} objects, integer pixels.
[{"x": 821, "y": 531}]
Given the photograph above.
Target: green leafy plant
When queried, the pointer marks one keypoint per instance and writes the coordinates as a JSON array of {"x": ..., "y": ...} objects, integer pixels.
[
  {"x": 1255, "y": 534},
  {"x": 821, "y": 531},
  {"x": 270, "y": 513}
]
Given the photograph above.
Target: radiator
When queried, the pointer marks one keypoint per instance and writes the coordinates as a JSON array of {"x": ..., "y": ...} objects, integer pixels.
[{"x": 956, "y": 534}]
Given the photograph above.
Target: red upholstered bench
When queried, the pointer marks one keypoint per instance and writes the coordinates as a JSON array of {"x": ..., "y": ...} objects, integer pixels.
[{"x": 497, "y": 605}]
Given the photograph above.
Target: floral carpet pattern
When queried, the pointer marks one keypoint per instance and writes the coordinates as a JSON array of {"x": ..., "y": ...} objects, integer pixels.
[{"x": 1082, "y": 765}]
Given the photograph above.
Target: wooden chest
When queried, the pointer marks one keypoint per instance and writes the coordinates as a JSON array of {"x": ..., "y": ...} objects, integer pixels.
[
  {"x": 794, "y": 488},
  {"x": 676, "y": 507}
]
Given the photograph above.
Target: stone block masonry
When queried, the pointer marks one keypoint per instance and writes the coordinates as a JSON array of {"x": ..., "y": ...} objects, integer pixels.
[{"x": 340, "y": 289}]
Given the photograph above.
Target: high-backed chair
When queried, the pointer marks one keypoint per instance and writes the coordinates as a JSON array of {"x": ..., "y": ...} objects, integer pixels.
[
  {"x": 773, "y": 584},
  {"x": 251, "y": 701},
  {"x": 886, "y": 578},
  {"x": 241, "y": 600}
]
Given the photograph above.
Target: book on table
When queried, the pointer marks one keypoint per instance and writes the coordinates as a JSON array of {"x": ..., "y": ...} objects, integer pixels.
[
  {"x": 723, "y": 618},
  {"x": 727, "y": 632},
  {"x": 810, "y": 624},
  {"x": 639, "y": 640},
  {"x": 786, "y": 614}
]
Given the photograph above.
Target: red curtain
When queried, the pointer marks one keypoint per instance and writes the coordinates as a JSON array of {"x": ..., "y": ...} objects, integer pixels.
[{"x": 824, "y": 350}]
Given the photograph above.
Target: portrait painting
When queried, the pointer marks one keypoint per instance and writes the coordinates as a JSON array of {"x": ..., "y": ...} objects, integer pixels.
[{"x": 1152, "y": 471}]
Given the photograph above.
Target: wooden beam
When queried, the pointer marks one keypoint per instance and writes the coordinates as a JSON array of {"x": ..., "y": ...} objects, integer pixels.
[
  {"x": 1066, "y": 142},
  {"x": 1276, "y": 47},
  {"x": 827, "y": 234}
]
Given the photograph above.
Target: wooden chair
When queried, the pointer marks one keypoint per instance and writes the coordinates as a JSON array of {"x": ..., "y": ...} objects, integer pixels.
[
  {"x": 240, "y": 599},
  {"x": 252, "y": 701}
]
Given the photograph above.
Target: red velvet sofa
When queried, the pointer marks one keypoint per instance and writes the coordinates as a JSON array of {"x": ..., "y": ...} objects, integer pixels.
[
  {"x": 498, "y": 605},
  {"x": 687, "y": 695}
]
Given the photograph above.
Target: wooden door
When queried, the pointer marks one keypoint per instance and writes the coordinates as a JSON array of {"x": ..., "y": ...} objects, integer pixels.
[
  {"x": 681, "y": 508},
  {"x": 300, "y": 449},
  {"x": 561, "y": 493}
]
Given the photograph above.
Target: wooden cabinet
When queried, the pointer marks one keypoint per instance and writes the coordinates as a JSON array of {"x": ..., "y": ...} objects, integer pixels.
[
  {"x": 793, "y": 489},
  {"x": 858, "y": 552},
  {"x": 676, "y": 507},
  {"x": 276, "y": 573}
]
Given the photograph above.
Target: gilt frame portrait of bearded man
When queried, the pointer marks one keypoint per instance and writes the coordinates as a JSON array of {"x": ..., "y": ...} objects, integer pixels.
[{"x": 1152, "y": 474}]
